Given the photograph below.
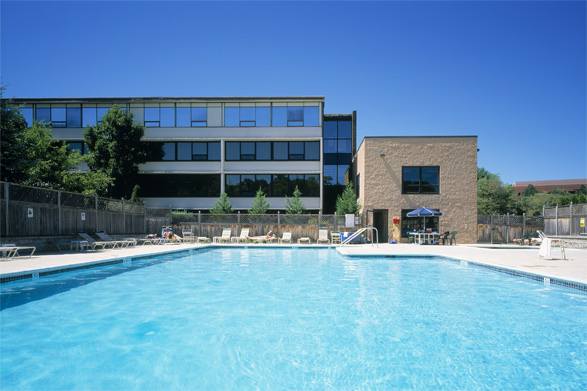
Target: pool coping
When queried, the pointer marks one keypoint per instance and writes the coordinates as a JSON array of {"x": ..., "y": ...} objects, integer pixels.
[{"x": 37, "y": 273}]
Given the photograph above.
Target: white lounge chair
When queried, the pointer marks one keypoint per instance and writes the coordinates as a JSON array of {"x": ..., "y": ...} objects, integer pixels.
[
  {"x": 304, "y": 240},
  {"x": 242, "y": 237},
  {"x": 226, "y": 232},
  {"x": 286, "y": 237},
  {"x": 188, "y": 236},
  {"x": 323, "y": 236},
  {"x": 120, "y": 243},
  {"x": 10, "y": 250},
  {"x": 92, "y": 243}
]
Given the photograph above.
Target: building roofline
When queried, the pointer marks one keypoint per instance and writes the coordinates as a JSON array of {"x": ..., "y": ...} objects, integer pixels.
[
  {"x": 406, "y": 137},
  {"x": 172, "y": 99}
]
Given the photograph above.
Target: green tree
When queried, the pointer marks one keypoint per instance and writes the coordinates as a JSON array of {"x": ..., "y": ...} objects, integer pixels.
[
  {"x": 294, "y": 205},
  {"x": 492, "y": 195},
  {"x": 15, "y": 161},
  {"x": 260, "y": 204},
  {"x": 581, "y": 190},
  {"x": 346, "y": 203},
  {"x": 222, "y": 206},
  {"x": 115, "y": 149},
  {"x": 529, "y": 191}
]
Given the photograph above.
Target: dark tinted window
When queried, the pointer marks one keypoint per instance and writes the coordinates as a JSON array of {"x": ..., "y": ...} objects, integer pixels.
[
  {"x": 312, "y": 150},
  {"x": 280, "y": 150},
  {"x": 179, "y": 185},
  {"x": 233, "y": 151},
  {"x": 263, "y": 151},
  {"x": 74, "y": 117}
]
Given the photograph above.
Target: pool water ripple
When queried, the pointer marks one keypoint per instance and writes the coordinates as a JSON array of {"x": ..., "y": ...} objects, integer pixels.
[{"x": 291, "y": 319}]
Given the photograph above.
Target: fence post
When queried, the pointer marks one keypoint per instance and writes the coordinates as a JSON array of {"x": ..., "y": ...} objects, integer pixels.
[
  {"x": 238, "y": 221},
  {"x": 335, "y": 223},
  {"x": 7, "y": 198},
  {"x": 97, "y": 224},
  {"x": 491, "y": 227},
  {"x": 556, "y": 220},
  {"x": 571, "y": 219},
  {"x": 507, "y": 230},
  {"x": 278, "y": 224},
  {"x": 200, "y": 223},
  {"x": 59, "y": 210},
  {"x": 524, "y": 227},
  {"x": 123, "y": 217},
  {"x": 144, "y": 218}
]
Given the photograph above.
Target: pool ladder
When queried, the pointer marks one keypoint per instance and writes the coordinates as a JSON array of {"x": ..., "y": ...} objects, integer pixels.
[{"x": 359, "y": 232}]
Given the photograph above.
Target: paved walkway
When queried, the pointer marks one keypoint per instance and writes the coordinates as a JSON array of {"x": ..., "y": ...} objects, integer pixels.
[{"x": 520, "y": 258}]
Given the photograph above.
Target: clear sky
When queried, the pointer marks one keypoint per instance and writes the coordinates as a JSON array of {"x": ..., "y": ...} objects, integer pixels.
[{"x": 512, "y": 73}]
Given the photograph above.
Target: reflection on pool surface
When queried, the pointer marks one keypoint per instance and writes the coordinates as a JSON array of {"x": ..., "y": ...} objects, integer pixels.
[{"x": 244, "y": 319}]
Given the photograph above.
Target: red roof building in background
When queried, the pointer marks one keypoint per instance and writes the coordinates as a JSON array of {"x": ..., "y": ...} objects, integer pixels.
[{"x": 570, "y": 185}]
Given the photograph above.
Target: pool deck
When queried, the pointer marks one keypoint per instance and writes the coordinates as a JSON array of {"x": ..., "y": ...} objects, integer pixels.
[{"x": 519, "y": 258}]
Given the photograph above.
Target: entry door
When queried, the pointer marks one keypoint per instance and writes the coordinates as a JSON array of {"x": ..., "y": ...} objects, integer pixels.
[{"x": 380, "y": 222}]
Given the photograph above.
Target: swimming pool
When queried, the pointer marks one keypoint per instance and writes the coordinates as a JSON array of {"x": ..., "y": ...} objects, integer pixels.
[{"x": 241, "y": 319}]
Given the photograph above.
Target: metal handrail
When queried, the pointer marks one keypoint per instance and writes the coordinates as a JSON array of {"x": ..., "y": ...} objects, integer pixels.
[{"x": 359, "y": 232}]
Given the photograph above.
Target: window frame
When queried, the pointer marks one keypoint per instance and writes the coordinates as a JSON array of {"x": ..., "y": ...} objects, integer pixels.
[{"x": 420, "y": 184}]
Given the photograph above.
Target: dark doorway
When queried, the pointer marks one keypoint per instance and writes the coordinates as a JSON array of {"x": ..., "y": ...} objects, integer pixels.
[{"x": 380, "y": 222}]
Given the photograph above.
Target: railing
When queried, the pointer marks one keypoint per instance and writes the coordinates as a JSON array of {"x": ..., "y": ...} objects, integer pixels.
[{"x": 358, "y": 233}]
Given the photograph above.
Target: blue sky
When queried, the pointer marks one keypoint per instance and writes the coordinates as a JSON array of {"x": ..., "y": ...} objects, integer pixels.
[{"x": 512, "y": 73}]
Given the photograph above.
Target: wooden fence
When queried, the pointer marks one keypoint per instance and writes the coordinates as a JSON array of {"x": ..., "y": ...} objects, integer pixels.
[
  {"x": 506, "y": 228},
  {"x": 565, "y": 220},
  {"x": 32, "y": 211}
]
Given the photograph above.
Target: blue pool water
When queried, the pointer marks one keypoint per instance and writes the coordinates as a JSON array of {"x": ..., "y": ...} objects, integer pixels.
[{"x": 277, "y": 319}]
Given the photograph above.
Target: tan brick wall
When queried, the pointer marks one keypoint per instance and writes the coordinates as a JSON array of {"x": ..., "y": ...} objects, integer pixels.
[{"x": 381, "y": 179}]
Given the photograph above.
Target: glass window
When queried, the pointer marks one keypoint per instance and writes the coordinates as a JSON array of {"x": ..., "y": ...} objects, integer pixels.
[
  {"x": 184, "y": 151},
  {"x": 199, "y": 116},
  {"x": 58, "y": 114},
  {"x": 330, "y": 146},
  {"x": 248, "y": 186},
  {"x": 247, "y": 151},
  {"x": 280, "y": 150},
  {"x": 152, "y": 114},
  {"x": 345, "y": 129},
  {"x": 330, "y": 177},
  {"x": 296, "y": 150},
  {"x": 312, "y": 185},
  {"x": 44, "y": 115},
  {"x": 330, "y": 129},
  {"x": 247, "y": 114},
  {"x": 101, "y": 111},
  {"x": 409, "y": 224},
  {"x": 75, "y": 146},
  {"x": 168, "y": 151},
  {"x": 263, "y": 116},
  {"x": 297, "y": 180},
  {"x": 410, "y": 180},
  {"x": 295, "y": 114},
  {"x": 232, "y": 187},
  {"x": 74, "y": 117},
  {"x": 430, "y": 180},
  {"x": 263, "y": 151},
  {"x": 280, "y": 186},
  {"x": 167, "y": 116},
  {"x": 89, "y": 116},
  {"x": 312, "y": 150},
  {"x": 279, "y": 116},
  {"x": 214, "y": 151},
  {"x": 344, "y": 146},
  {"x": 341, "y": 174},
  {"x": 231, "y": 117},
  {"x": 183, "y": 117},
  {"x": 27, "y": 113},
  {"x": 330, "y": 158},
  {"x": 200, "y": 151},
  {"x": 179, "y": 185},
  {"x": 263, "y": 182},
  {"x": 344, "y": 158},
  {"x": 311, "y": 116},
  {"x": 233, "y": 151}
]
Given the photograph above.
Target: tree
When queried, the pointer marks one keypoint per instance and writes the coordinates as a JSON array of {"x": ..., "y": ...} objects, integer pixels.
[
  {"x": 115, "y": 149},
  {"x": 581, "y": 190},
  {"x": 346, "y": 203},
  {"x": 222, "y": 206},
  {"x": 260, "y": 204},
  {"x": 529, "y": 191},
  {"x": 492, "y": 195},
  {"x": 295, "y": 206},
  {"x": 15, "y": 161}
]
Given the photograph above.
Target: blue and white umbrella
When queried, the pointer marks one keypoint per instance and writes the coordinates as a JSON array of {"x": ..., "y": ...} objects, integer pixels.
[{"x": 424, "y": 212}]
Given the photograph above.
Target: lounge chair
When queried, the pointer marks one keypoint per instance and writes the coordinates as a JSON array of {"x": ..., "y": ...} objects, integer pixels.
[
  {"x": 92, "y": 243},
  {"x": 188, "y": 236},
  {"x": 286, "y": 237},
  {"x": 304, "y": 240},
  {"x": 120, "y": 243},
  {"x": 262, "y": 239},
  {"x": 10, "y": 250},
  {"x": 226, "y": 232},
  {"x": 242, "y": 237},
  {"x": 323, "y": 236}
]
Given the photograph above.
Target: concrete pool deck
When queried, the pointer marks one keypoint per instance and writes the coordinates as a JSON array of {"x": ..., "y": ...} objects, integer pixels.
[{"x": 520, "y": 258}]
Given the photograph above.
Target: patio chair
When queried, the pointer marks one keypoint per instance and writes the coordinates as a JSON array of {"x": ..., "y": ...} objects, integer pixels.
[
  {"x": 10, "y": 250},
  {"x": 444, "y": 237},
  {"x": 121, "y": 243},
  {"x": 286, "y": 237},
  {"x": 226, "y": 233},
  {"x": 188, "y": 236},
  {"x": 323, "y": 236},
  {"x": 242, "y": 237},
  {"x": 453, "y": 236},
  {"x": 304, "y": 240},
  {"x": 93, "y": 243}
]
